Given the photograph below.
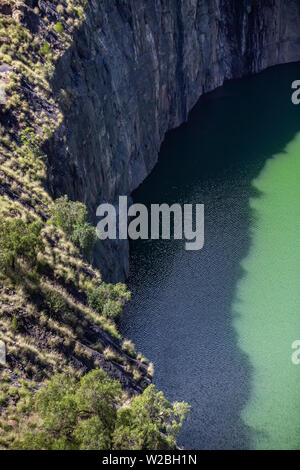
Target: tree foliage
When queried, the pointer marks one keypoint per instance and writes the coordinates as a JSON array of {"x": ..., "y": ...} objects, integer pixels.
[
  {"x": 150, "y": 423},
  {"x": 87, "y": 414},
  {"x": 59, "y": 28},
  {"x": 71, "y": 217},
  {"x": 107, "y": 299},
  {"x": 18, "y": 239},
  {"x": 84, "y": 237}
]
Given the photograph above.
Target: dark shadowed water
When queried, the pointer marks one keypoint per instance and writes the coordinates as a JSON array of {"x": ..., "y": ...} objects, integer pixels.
[{"x": 182, "y": 308}]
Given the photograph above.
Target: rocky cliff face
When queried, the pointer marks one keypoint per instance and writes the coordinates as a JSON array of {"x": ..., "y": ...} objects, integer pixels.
[{"x": 134, "y": 71}]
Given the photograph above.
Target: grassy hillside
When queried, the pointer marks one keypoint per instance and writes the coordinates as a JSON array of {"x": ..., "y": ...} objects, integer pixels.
[{"x": 57, "y": 315}]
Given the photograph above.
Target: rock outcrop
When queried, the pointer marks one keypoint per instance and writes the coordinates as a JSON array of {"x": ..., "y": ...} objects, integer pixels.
[{"x": 134, "y": 71}]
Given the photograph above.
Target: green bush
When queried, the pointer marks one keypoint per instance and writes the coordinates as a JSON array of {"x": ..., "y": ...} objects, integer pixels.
[
  {"x": 68, "y": 214},
  {"x": 71, "y": 217},
  {"x": 84, "y": 237},
  {"x": 112, "y": 308},
  {"x": 87, "y": 414},
  {"x": 18, "y": 239},
  {"x": 30, "y": 154},
  {"x": 108, "y": 299},
  {"x": 59, "y": 27},
  {"x": 46, "y": 49},
  {"x": 151, "y": 422},
  {"x": 96, "y": 297},
  {"x": 56, "y": 302},
  {"x": 13, "y": 391},
  {"x": 75, "y": 414}
]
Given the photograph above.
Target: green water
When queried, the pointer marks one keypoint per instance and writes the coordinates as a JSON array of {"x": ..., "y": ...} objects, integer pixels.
[
  {"x": 219, "y": 323},
  {"x": 267, "y": 304}
]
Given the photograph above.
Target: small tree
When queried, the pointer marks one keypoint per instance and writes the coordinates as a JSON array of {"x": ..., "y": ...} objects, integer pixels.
[
  {"x": 150, "y": 423},
  {"x": 108, "y": 299},
  {"x": 59, "y": 28},
  {"x": 75, "y": 414},
  {"x": 68, "y": 214},
  {"x": 18, "y": 239},
  {"x": 87, "y": 414},
  {"x": 112, "y": 308},
  {"x": 71, "y": 217},
  {"x": 97, "y": 297},
  {"x": 84, "y": 237}
]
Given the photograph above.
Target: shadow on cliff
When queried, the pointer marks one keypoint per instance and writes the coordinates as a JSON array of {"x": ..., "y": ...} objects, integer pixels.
[{"x": 86, "y": 153}]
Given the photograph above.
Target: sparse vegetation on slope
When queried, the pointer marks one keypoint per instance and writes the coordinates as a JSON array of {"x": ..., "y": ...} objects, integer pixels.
[
  {"x": 56, "y": 313},
  {"x": 94, "y": 413}
]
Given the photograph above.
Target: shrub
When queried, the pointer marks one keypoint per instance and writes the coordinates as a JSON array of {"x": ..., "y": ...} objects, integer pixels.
[
  {"x": 71, "y": 217},
  {"x": 108, "y": 299},
  {"x": 68, "y": 214},
  {"x": 112, "y": 308},
  {"x": 151, "y": 422},
  {"x": 75, "y": 414},
  {"x": 46, "y": 49},
  {"x": 136, "y": 375},
  {"x": 18, "y": 239},
  {"x": 84, "y": 237},
  {"x": 96, "y": 297},
  {"x": 30, "y": 154},
  {"x": 56, "y": 302},
  {"x": 87, "y": 414},
  {"x": 119, "y": 292},
  {"x": 141, "y": 358},
  {"x": 5, "y": 377},
  {"x": 59, "y": 27},
  {"x": 3, "y": 398},
  {"x": 13, "y": 391},
  {"x": 128, "y": 347},
  {"x": 110, "y": 355}
]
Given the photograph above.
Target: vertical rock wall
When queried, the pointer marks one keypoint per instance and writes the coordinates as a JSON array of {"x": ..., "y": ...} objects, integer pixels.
[{"x": 135, "y": 70}]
